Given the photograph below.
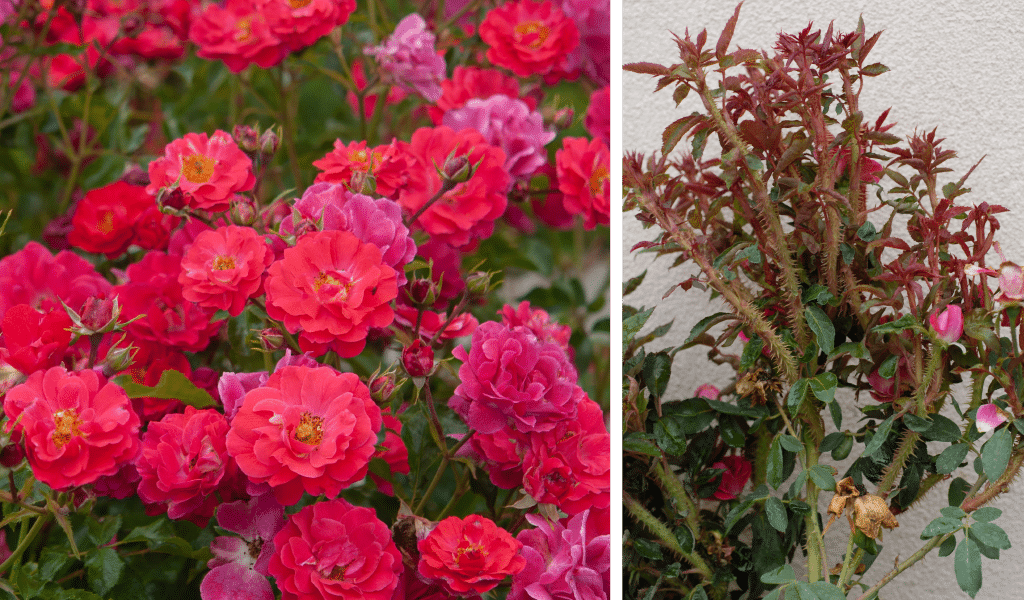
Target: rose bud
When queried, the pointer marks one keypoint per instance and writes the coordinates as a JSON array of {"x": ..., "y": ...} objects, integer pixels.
[
  {"x": 989, "y": 417},
  {"x": 272, "y": 339},
  {"x": 478, "y": 282},
  {"x": 457, "y": 169},
  {"x": 382, "y": 386},
  {"x": 563, "y": 118},
  {"x": 247, "y": 138},
  {"x": 707, "y": 391},
  {"x": 949, "y": 324},
  {"x": 418, "y": 359}
]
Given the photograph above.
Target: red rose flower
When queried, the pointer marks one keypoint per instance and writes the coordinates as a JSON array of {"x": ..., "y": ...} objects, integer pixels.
[
  {"x": 502, "y": 452},
  {"x": 223, "y": 268},
  {"x": 538, "y": 321},
  {"x": 208, "y": 170},
  {"x": 75, "y": 431},
  {"x": 470, "y": 556},
  {"x": 583, "y": 179},
  {"x": 300, "y": 23},
  {"x": 153, "y": 291},
  {"x": 185, "y": 468},
  {"x": 598, "y": 117},
  {"x": 238, "y": 34},
  {"x": 333, "y": 287},
  {"x": 335, "y": 550},
  {"x": 569, "y": 466},
  {"x": 473, "y": 82},
  {"x": 311, "y": 429},
  {"x": 466, "y": 213},
  {"x": 35, "y": 277},
  {"x": 34, "y": 340},
  {"x": 737, "y": 474},
  {"x": 528, "y": 37},
  {"x": 347, "y": 163},
  {"x": 105, "y": 218},
  {"x": 394, "y": 453},
  {"x": 153, "y": 228}
]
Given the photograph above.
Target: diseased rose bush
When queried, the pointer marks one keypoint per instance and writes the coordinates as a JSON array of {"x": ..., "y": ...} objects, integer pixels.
[{"x": 304, "y": 299}]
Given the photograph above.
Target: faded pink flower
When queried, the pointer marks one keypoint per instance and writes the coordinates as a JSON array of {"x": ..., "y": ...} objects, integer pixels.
[
  {"x": 707, "y": 391},
  {"x": 989, "y": 417},
  {"x": 1011, "y": 283},
  {"x": 949, "y": 324},
  {"x": 238, "y": 568},
  {"x": 233, "y": 387},
  {"x": 408, "y": 58},
  {"x": 565, "y": 560},
  {"x": 509, "y": 124}
]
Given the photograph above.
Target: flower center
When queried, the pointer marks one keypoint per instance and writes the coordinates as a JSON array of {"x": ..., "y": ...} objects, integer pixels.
[
  {"x": 66, "y": 424},
  {"x": 299, "y": 3},
  {"x": 310, "y": 430},
  {"x": 106, "y": 224},
  {"x": 332, "y": 286},
  {"x": 598, "y": 179},
  {"x": 197, "y": 168},
  {"x": 470, "y": 552},
  {"x": 337, "y": 573},
  {"x": 243, "y": 29},
  {"x": 223, "y": 263},
  {"x": 532, "y": 33}
]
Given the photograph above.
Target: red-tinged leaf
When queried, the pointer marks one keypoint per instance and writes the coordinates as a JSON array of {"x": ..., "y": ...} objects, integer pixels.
[
  {"x": 646, "y": 68},
  {"x": 723, "y": 40},
  {"x": 642, "y": 246},
  {"x": 874, "y": 70},
  {"x": 882, "y": 138},
  {"x": 680, "y": 93},
  {"x": 675, "y": 132},
  {"x": 890, "y": 242},
  {"x": 702, "y": 39},
  {"x": 663, "y": 83},
  {"x": 745, "y": 55},
  {"x": 881, "y": 119},
  {"x": 868, "y": 45}
]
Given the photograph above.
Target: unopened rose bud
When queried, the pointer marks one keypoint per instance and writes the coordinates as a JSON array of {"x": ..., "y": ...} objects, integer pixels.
[
  {"x": 563, "y": 118},
  {"x": 119, "y": 359},
  {"x": 418, "y": 359},
  {"x": 948, "y": 325},
  {"x": 243, "y": 211},
  {"x": 479, "y": 283},
  {"x": 422, "y": 292},
  {"x": 135, "y": 175},
  {"x": 12, "y": 454},
  {"x": 457, "y": 169},
  {"x": 173, "y": 198},
  {"x": 98, "y": 315},
  {"x": 707, "y": 391},
  {"x": 381, "y": 387},
  {"x": 268, "y": 145},
  {"x": 520, "y": 192},
  {"x": 364, "y": 183},
  {"x": 271, "y": 339},
  {"x": 247, "y": 138}
]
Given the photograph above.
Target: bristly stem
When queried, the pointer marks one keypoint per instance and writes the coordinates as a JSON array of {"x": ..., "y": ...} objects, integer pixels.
[{"x": 664, "y": 534}]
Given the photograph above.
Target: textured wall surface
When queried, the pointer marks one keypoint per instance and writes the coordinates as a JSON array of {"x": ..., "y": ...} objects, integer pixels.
[{"x": 955, "y": 66}]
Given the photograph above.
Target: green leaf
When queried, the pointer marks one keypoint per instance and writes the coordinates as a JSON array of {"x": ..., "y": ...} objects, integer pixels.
[
  {"x": 844, "y": 448},
  {"x": 751, "y": 352},
  {"x": 728, "y": 408},
  {"x": 698, "y": 593},
  {"x": 867, "y": 232},
  {"x": 948, "y": 546},
  {"x": 824, "y": 387},
  {"x": 656, "y": 371},
  {"x": 943, "y": 429},
  {"x": 826, "y": 591},
  {"x": 822, "y": 327},
  {"x": 628, "y": 287},
  {"x": 640, "y": 443},
  {"x": 951, "y": 457},
  {"x": 881, "y": 434},
  {"x": 874, "y": 70},
  {"x": 737, "y": 512},
  {"x": 995, "y": 454},
  {"x": 172, "y": 385},
  {"x": 783, "y": 574},
  {"x": 953, "y": 511},
  {"x": 632, "y": 326},
  {"x": 990, "y": 534},
  {"x": 916, "y": 423},
  {"x": 790, "y": 443},
  {"x": 776, "y": 512},
  {"x": 957, "y": 491},
  {"x": 831, "y": 441},
  {"x": 754, "y": 163},
  {"x": 104, "y": 568},
  {"x": 774, "y": 594},
  {"x": 837, "y": 414},
  {"x": 647, "y": 549},
  {"x": 822, "y": 477},
  {"x": 816, "y": 293},
  {"x": 986, "y": 514},
  {"x": 796, "y": 395},
  {"x": 863, "y": 541},
  {"x": 967, "y": 564},
  {"x": 685, "y": 538},
  {"x": 941, "y": 526},
  {"x": 900, "y": 324},
  {"x": 750, "y": 253},
  {"x": 888, "y": 367},
  {"x": 774, "y": 472},
  {"x": 680, "y": 419},
  {"x": 706, "y": 323},
  {"x": 731, "y": 431}
]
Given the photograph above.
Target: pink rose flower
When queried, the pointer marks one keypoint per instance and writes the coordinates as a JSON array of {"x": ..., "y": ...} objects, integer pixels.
[
  {"x": 509, "y": 124},
  {"x": 76, "y": 427},
  {"x": 239, "y": 567},
  {"x": 538, "y": 321},
  {"x": 528, "y": 37},
  {"x": 224, "y": 267},
  {"x": 299, "y": 24},
  {"x": 509, "y": 377},
  {"x": 949, "y": 324},
  {"x": 307, "y": 429},
  {"x": 565, "y": 560},
  {"x": 599, "y": 115},
  {"x": 207, "y": 169},
  {"x": 989, "y": 417},
  {"x": 707, "y": 391},
  {"x": 237, "y": 33},
  {"x": 233, "y": 387},
  {"x": 333, "y": 550},
  {"x": 408, "y": 58},
  {"x": 32, "y": 340},
  {"x": 1011, "y": 283},
  {"x": 185, "y": 468},
  {"x": 469, "y": 556},
  {"x": 36, "y": 277},
  {"x": 736, "y": 475}
]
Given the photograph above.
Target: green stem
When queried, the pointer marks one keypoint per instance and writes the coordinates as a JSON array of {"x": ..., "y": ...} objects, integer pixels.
[
  {"x": 815, "y": 543},
  {"x": 664, "y": 535},
  {"x": 844, "y": 575},
  {"x": 921, "y": 394},
  {"x": 25, "y": 542},
  {"x": 903, "y": 566},
  {"x": 684, "y": 503}
]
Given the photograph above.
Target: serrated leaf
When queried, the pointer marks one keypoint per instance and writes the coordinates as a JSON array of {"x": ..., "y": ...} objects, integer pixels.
[
  {"x": 867, "y": 232},
  {"x": 995, "y": 454},
  {"x": 887, "y": 369},
  {"x": 783, "y": 574},
  {"x": 821, "y": 325},
  {"x": 656, "y": 370},
  {"x": 104, "y": 568},
  {"x": 647, "y": 549},
  {"x": 706, "y": 323},
  {"x": 986, "y": 514},
  {"x": 632, "y": 326},
  {"x": 774, "y": 470},
  {"x": 991, "y": 535},
  {"x": 675, "y": 131},
  {"x": 824, "y": 387},
  {"x": 685, "y": 538},
  {"x": 881, "y": 434},
  {"x": 172, "y": 385},
  {"x": 639, "y": 443},
  {"x": 967, "y": 565},
  {"x": 941, "y": 526},
  {"x": 790, "y": 443},
  {"x": 629, "y": 286},
  {"x": 874, "y": 70},
  {"x": 954, "y": 512},
  {"x": 948, "y": 546},
  {"x": 950, "y": 458},
  {"x": 901, "y": 324},
  {"x": 776, "y": 512},
  {"x": 751, "y": 352},
  {"x": 943, "y": 429},
  {"x": 796, "y": 395},
  {"x": 822, "y": 477},
  {"x": 816, "y": 293}
]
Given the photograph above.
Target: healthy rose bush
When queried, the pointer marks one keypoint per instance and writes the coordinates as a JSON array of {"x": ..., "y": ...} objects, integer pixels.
[
  {"x": 254, "y": 261},
  {"x": 849, "y": 276}
]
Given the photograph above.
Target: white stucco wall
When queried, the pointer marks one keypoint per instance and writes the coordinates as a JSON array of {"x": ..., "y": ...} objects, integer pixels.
[{"x": 955, "y": 66}]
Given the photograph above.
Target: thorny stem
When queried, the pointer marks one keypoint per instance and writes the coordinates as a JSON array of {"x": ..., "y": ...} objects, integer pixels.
[
  {"x": 671, "y": 484},
  {"x": 998, "y": 486},
  {"x": 664, "y": 535}
]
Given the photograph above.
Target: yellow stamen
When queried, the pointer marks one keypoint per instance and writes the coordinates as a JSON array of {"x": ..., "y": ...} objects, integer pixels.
[
  {"x": 533, "y": 33},
  {"x": 223, "y": 263},
  {"x": 598, "y": 180},
  {"x": 197, "y": 168},
  {"x": 310, "y": 430},
  {"x": 66, "y": 424}
]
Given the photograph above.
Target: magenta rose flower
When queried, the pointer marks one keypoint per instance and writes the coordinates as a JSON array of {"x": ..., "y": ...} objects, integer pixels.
[
  {"x": 307, "y": 429},
  {"x": 239, "y": 567},
  {"x": 565, "y": 560},
  {"x": 333, "y": 550},
  {"x": 736, "y": 475},
  {"x": 207, "y": 169},
  {"x": 408, "y": 58},
  {"x": 949, "y": 324}
]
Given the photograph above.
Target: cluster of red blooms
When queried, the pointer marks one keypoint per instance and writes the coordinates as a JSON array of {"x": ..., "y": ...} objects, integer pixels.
[{"x": 328, "y": 268}]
